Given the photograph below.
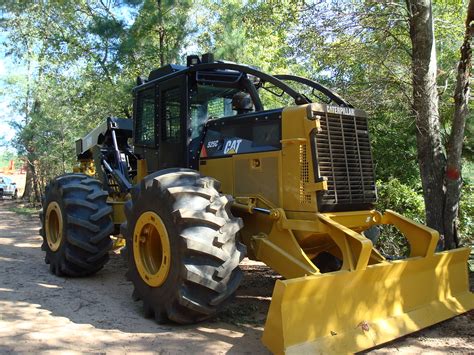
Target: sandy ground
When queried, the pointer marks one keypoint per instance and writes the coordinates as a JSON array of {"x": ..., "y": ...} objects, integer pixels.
[{"x": 43, "y": 313}]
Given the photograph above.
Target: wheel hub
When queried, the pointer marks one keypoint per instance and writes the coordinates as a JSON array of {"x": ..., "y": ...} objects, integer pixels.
[
  {"x": 151, "y": 249},
  {"x": 54, "y": 226}
]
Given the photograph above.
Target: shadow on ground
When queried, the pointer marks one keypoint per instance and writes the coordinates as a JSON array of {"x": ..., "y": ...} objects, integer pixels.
[{"x": 43, "y": 312}]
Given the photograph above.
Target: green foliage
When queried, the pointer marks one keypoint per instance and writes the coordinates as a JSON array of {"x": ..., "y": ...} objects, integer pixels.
[
  {"x": 82, "y": 59},
  {"x": 6, "y": 156},
  {"x": 400, "y": 198},
  {"x": 363, "y": 51},
  {"x": 403, "y": 199},
  {"x": 408, "y": 201},
  {"x": 394, "y": 147},
  {"x": 468, "y": 171},
  {"x": 81, "y": 62},
  {"x": 159, "y": 32},
  {"x": 469, "y": 140},
  {"x": 466, "y": 214},
  {"x": 254, "y": 32}
]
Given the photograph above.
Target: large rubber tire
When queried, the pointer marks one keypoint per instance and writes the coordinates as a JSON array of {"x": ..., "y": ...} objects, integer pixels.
[
  {"x": 204, "y": 270},
  {"x": 84, "y": 243}
]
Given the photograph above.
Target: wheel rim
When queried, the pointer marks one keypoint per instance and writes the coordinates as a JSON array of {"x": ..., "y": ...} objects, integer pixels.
[
  {"x": 151, "y": 249},
  {"x": 54, "y": 226}
]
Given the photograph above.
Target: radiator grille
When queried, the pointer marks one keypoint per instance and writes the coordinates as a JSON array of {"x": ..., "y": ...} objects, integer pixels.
[
  {"x": 345, "y": 160},
  {"x": 305, "y": 198}
]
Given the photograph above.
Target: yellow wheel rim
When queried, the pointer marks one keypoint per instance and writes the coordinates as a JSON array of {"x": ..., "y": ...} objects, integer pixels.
[
  {"x": 151, "y": 249},
  {"x": 54, "y": 226}
]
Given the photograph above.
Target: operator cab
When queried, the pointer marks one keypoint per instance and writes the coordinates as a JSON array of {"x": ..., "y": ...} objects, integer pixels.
[{"x": 184, "y": 113}]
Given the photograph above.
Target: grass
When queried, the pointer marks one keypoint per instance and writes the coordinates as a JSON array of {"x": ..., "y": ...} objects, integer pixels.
[{"x": 24, "y": 210}]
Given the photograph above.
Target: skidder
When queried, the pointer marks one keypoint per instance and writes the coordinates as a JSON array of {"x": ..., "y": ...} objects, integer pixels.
[{"x": 219, "y": 170}]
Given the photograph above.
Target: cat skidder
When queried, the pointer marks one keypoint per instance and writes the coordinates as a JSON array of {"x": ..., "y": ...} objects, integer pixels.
[{"x": 229, "y": 161}]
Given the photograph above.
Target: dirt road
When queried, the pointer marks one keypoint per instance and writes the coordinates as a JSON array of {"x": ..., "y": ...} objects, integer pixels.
[{"x": 43, "y": 313}]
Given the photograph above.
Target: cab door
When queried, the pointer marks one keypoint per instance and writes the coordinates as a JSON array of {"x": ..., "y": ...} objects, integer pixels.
[
  {"x": 172, "y": 112},
  {"x": 145, "y": 127}
]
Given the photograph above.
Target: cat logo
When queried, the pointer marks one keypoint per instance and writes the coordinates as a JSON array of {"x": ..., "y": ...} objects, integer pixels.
[
  {"x": 232, "y": 146},
  {"x": 341, "y": 110}
]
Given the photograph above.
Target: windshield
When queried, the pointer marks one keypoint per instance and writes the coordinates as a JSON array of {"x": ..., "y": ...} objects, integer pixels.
[
  {"x": 308, "y": 92},
  {"x": 225, "y": 94},
  {"x": 210, "y": 102},
  {"x": 273, "y": 97},
  {"x": 312, "y": 90}
]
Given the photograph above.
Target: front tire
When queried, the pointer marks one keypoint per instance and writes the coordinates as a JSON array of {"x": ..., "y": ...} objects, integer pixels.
[
  {"x": 76, "y": 225},
  {"x": 183, "y": 256}
]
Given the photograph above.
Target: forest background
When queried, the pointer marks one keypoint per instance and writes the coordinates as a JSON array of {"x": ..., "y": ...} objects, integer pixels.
[{"x": 80, "y": 60}]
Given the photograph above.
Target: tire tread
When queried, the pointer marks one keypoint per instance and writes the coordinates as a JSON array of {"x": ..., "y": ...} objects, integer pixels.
[
  {"x": 211, "y": 254},
  {"x": 84, "y": 250}
]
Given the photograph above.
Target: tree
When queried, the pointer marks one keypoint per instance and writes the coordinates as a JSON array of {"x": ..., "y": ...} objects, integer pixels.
[
  {"x": 440, "y": 172},
  {"x": 453, "y": 175},
  {"x": 57, "y": 42},
  {"x": 431, "y": 158},
  {"x": 157, "y": 36},
  {"x": 252, "y": 32},
  {"x": 366, "y": 51},
  {"x": 362, "y": 51},
  {"x": 82, "y": 59}
]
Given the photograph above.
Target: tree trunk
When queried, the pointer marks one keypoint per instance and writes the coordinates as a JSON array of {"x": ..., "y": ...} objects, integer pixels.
[
  {"x": 454, "y": 150},
  {"x": 431, "y": 158},
  {"x": 28, "y": 192},
  {"x": 34, "y": 194},
  {"x": 35, "y": 183},
  {"x": 161, "y": 33}
]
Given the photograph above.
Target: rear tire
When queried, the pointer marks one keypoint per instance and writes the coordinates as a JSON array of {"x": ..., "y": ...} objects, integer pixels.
[
  {"x": 183, "y": 256},
  {"x": 76, "y": 225}
]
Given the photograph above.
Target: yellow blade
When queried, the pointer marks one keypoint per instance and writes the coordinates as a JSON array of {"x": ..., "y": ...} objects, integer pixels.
[{"x": 349, "y": 311}]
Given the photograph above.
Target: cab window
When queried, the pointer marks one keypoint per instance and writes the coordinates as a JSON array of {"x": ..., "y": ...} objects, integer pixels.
[
  {"x": 145, "y": 123},
  {"x": 171, "y": 115},
  {"x": 210, "y": 102}
]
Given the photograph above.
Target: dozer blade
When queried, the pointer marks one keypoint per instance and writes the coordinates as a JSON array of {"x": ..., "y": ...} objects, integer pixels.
[{"x": 349, "y": 311}]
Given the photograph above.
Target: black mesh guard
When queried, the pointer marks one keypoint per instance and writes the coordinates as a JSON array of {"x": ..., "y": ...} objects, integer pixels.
[{"x": 342, "y": 155}]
